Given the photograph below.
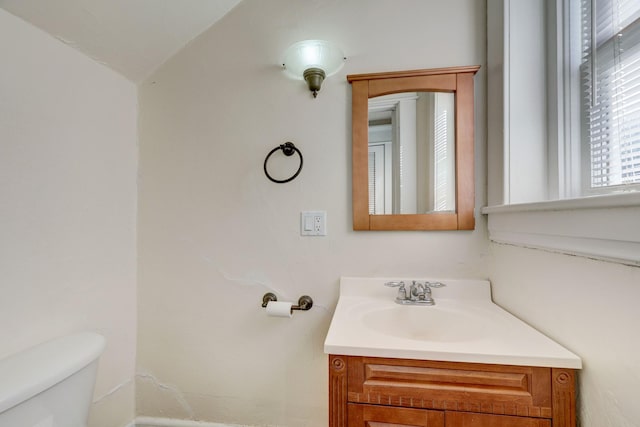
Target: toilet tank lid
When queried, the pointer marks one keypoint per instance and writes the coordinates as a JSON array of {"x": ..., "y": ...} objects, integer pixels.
[{"x": 32, "y": 371}]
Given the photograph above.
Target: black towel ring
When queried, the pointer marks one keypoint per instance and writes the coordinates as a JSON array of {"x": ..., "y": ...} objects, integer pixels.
[{"x": 288, "y": 149}]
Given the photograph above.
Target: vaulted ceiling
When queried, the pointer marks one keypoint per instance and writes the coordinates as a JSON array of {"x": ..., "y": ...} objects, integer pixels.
[{"x": 133, "y": 37}]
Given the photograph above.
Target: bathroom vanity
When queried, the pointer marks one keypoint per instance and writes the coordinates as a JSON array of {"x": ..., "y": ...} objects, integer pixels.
[{"x": 461, "y": 362}]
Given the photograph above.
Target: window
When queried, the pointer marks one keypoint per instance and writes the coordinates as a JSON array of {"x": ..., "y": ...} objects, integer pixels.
[
  {"x": 563, "y": 127},
  {"x": 610, "y": 94}
]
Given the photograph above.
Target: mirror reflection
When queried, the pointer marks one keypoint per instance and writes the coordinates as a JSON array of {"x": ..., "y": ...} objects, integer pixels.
[
  {"x": 411, "y": 153},
  {"x": 410, "y": 173}
]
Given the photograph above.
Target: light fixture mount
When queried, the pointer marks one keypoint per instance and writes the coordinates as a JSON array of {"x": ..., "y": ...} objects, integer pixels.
[
  {"x": 314, "y": 78},
  {"x": 312, "y": 61}
]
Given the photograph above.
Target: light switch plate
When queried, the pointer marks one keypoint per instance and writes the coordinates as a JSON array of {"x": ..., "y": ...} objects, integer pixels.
[{"x": 313, "y": 223}]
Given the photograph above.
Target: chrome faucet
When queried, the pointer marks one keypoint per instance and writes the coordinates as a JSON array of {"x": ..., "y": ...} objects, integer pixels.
[{"x": 419, "y": 293}]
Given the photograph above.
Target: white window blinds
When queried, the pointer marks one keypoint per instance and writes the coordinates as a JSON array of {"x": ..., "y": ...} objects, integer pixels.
[{"x": 610, "y": 73}]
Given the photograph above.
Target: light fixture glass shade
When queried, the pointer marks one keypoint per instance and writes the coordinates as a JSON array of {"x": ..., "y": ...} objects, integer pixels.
[{"x": 307, "y": 54}]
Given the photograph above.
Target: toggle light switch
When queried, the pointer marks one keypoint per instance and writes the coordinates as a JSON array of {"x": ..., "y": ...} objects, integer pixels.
[{"x": 313, "y": 223}]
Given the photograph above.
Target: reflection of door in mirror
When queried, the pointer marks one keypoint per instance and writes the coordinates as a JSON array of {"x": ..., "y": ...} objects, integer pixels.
[{"x": 411, "y": 153}]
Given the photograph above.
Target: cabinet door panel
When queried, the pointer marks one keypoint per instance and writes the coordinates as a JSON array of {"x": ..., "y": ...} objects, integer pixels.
[
  {"x": 468, "y": 419},
  {"x": 384, "y": 416}
]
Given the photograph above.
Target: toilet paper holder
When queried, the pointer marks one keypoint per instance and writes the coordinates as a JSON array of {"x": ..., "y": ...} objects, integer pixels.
[{"x": 304, "y": 302}]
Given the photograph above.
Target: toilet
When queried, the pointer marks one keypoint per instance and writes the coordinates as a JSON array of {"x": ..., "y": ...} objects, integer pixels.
[{"x": 51, "y": 384}]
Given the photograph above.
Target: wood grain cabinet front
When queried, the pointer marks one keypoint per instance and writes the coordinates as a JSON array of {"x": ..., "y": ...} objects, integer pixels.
[{"x": 374, "y": 392}]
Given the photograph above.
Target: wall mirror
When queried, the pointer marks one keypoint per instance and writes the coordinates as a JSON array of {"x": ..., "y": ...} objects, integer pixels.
[{"x": 413, "y": 149}]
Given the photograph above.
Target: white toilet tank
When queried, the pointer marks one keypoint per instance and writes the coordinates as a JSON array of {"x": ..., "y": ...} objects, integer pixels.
[{"x": 51, "y": 384}]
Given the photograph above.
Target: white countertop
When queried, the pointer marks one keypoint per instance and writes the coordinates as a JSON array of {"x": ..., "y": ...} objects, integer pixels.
[{"x": 463, "y": 326}]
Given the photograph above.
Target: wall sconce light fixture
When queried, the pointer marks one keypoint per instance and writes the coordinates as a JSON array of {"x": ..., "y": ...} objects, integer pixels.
[{"x": 312, "y": 61}]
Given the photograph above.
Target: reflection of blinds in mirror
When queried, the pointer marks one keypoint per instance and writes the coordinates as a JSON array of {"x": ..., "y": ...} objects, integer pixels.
[
  {"x": 441, "y": 167},
  {"x": 443, "y": 153},
  {"x": 372, "y": 182}
]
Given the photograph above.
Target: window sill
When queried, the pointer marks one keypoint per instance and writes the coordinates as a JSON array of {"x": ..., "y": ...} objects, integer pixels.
[{"x": 600, "y": 227}]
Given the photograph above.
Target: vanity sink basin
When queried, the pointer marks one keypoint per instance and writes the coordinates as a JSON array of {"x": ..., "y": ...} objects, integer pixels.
[
  {"x": 464, "y": 325},
  {"x": 423, "y": 323}
]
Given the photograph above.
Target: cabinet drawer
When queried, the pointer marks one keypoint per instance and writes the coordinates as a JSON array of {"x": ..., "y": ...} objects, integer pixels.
[
  {"x": 385, "y": 416},
  {"x": 494, "y": 389}
]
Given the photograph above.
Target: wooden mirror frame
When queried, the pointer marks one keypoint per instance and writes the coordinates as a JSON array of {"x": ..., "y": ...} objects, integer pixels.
[{"x": 456, "y": 80}]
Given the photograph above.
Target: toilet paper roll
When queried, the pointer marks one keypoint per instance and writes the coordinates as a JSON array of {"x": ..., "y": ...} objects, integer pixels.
[{"x": 279, "y": 309}]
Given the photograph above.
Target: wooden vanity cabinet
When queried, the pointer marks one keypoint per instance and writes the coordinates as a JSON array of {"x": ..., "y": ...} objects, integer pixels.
[{"x": 379, "y": 392}]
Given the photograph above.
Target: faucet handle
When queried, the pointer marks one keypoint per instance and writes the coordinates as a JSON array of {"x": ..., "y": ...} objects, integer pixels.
[
  {"x": 394, "y": 284},
  {"x": 434, "y": 284}
]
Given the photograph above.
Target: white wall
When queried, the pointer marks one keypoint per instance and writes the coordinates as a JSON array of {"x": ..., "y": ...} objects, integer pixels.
[
  {"x": 589, "y": 306},
  {"x": 215, "y": 234},
  {"x": 68, "y": 161}
]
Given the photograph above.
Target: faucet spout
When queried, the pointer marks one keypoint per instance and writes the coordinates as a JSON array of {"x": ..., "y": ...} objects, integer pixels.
[
  {"x": 421, "y": 293},
  {"x": 418, "y": 289}
]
